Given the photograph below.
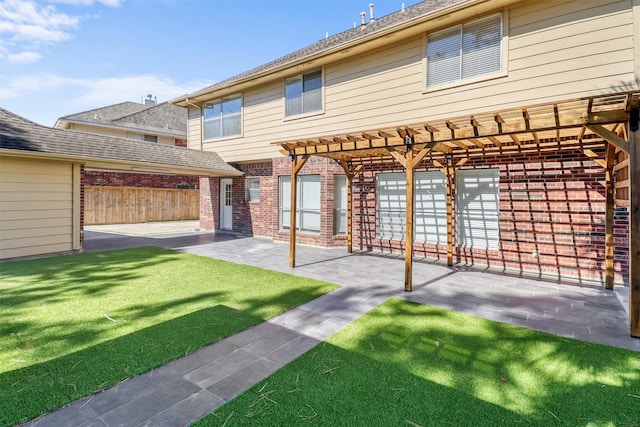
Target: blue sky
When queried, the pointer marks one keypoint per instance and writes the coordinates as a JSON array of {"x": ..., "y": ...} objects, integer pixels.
[{"x": 60, "y": 57}]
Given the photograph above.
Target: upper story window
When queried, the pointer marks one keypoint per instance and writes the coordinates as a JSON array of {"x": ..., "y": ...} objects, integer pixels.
[
  {"x": 465, "y": 51},
  {"x": 303, "y": 94},
  {"x": 143, "y": 137},
  {"x": 223, "y": 118}
]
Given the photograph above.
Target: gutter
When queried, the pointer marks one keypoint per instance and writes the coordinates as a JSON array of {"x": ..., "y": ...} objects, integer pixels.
[{"x": 111, "y": 126}]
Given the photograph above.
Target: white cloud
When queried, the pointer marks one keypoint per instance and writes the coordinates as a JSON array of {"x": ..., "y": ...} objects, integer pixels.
[
  {"x": 31, "y": 25},
  {"x": 132, "y": 88},
  {"x": 45, "y": 97},
  {"x": 111, "y": 3},
  {"x": 23, "y": 57}
]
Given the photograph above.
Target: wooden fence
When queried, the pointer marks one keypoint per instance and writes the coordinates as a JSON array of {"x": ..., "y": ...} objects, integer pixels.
[{"x": 125, "y": 205}]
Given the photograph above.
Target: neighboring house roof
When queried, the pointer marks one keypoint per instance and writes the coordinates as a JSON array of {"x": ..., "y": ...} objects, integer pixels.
[
  {"x": 26, "y": 138},
  {"x": 355, "y": 35},
  {"x": 163, "y": 119}
]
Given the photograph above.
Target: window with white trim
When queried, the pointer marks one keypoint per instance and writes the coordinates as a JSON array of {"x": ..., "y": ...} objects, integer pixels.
[
  {"x": 478, "y": 208},
  {"x": 253, "y": 189},
  {"x": 430, "y": 207},
  {"x": 303, "y": 94},
  {"x": 223, "y": 118},
  {"x": 465, "y": 51},
  {"x": 143, "y": 137},
  {"x": 340, "y": 202},
  {"x": 308, "y": 201}
]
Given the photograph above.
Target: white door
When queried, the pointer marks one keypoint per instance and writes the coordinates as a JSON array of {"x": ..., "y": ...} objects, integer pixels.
[{"x": 226, "y": 212}]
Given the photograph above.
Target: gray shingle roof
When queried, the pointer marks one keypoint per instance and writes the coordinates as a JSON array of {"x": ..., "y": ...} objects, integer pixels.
[
  {"x": 162, "y": 118},
  {"x": 388, "y": 22},
  {"x": 18, "y": 133}
]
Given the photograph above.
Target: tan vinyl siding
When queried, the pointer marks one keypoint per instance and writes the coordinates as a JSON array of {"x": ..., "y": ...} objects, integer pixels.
[
  {"x": 556, "y": 50},
  {"x": 194, "y": 128},
  {"x": 35, "y": 207}
]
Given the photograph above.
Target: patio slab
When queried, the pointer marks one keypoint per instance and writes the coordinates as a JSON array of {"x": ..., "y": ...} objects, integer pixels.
[{"x": 188, "y": 388}]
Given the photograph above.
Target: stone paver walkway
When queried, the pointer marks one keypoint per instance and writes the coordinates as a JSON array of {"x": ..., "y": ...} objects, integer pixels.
[{"x": 188, "y": 388}]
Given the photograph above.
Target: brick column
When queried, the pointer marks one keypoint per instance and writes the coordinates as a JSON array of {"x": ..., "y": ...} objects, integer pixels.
[{"x": 209, "y": 202}]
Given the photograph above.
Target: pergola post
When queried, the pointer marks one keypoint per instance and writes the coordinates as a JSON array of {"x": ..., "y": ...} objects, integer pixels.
[
  {"x": 350, "y": 171},
  {"x": 450, "y": 172},
  {"x": 410, "y": 160},
  {"x": 634, "y": 223},
  {"x": 609, "y": 241},
  {"x": 296, "y": 165},
  {"x": 408, "y": 251}
]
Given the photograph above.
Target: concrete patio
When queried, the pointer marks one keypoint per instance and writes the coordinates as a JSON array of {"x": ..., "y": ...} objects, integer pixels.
[{"x": 190, "y": 387}]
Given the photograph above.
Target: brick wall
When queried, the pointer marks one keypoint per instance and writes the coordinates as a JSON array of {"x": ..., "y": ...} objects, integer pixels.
[
  {"x": 552, "y": 217},
  {"x": 124, "y": 179},
  {"x": 250, "y": 216},
  {"x": 314, "y": 166},
  {"x": 209, "y": 203},
  {"x": 552, "y": 213}
]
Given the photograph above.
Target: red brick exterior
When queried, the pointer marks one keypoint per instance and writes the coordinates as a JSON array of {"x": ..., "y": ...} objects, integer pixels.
[
  {"x": 552, "y": 213},
  {"x": 125, "y": 179},
  {"x": 209, "y": 203}
]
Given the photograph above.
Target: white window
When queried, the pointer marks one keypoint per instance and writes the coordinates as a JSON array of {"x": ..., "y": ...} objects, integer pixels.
[
  {"x": 223, "y": 118},
  {"x": 340, "y": 204},
  {"x": 253, "y": 189},
  {"x": 465, "y": 51},
  {"x": 478, "y": 208},
  {"x": 308, "y": 200},
  {"x": 143, "y": 137},
  {"x": 303, "y": 94},
  {"x": 430, "y": 208}
]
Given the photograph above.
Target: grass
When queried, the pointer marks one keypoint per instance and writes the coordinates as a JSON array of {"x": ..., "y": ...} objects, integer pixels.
[
  {"x": 72, "y": 325},
  {"x": 407, "y": 364}
]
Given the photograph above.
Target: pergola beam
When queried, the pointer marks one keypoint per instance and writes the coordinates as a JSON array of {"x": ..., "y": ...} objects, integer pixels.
[{"x": 609, "y": 136}]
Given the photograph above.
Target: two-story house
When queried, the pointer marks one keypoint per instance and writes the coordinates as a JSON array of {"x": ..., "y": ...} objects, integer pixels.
[
  {"x": 480, "y": 132},
  {"x": 136, "y": 196}
]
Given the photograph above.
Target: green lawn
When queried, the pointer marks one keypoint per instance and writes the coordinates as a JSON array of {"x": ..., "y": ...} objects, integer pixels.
[
  {"x": 76, "y": 324},
  {"x": 407, "y": 364}
]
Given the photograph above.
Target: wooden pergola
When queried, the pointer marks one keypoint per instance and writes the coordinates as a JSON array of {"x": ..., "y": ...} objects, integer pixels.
[{"x": 604, "y": 128}]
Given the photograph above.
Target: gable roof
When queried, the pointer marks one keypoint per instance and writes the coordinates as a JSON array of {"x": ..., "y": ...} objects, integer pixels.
[
  {"x": 371, "y": 29},
  {"x": 163, "y": 118},
  {"x": 22, "y": 137}
]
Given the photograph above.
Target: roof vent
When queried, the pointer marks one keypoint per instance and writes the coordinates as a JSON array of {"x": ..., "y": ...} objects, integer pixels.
[
  {"x": 371, "y": 17},
  {"x": 362, "y": 19},
  {"x": 150, "y": 100}
]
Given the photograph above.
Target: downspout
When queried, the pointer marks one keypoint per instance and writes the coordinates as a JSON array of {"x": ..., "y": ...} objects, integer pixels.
[{"x": 201, "y": 124}]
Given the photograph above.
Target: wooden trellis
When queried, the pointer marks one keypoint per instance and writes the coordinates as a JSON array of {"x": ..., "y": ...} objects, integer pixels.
[{"x": 604, "y": 128}]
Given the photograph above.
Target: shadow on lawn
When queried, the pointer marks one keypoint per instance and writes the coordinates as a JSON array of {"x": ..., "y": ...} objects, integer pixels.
[
  {"x": 411, "y": 364},
  {"x": 68, "y": 378},
  {"x": 28, "y": 392}
]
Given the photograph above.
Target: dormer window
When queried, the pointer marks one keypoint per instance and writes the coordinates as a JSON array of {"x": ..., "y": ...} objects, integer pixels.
[
  {"x": 223, "y": 117},
  {"x": 303, "y": 94},
  {"x": 466, "y": 51}
]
